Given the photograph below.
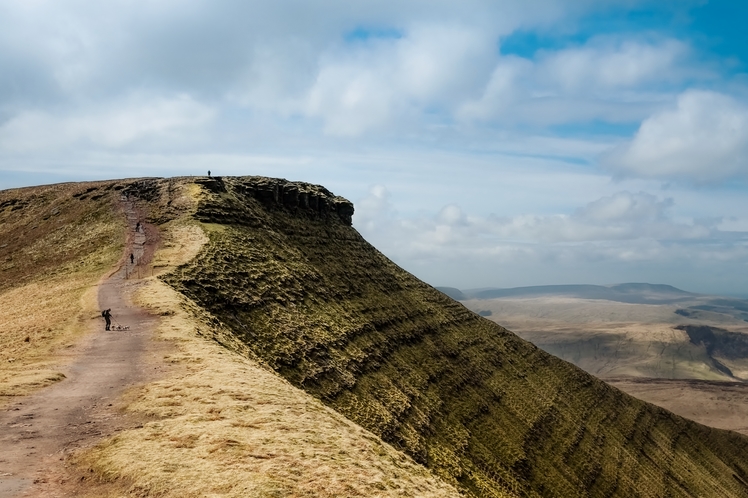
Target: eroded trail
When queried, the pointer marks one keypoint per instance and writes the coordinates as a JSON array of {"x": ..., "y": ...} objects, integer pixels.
[{"x": 38, "y": 431}]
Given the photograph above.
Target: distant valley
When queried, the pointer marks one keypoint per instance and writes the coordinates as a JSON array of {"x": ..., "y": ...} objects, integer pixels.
[{"x": 686, "y": 352}]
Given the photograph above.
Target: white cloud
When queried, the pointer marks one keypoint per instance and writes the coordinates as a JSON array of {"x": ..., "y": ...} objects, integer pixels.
[
  {"x": 111, "y": 127},
  {"x": 606, "y": 79},
  {"x": 367, "y": 85},
  {"x": 505, "y": 87},
  {"x": 625, "y": 207},
  {"x": 621, "y": 237},
  {"x": 703, "y": 139},
  {"x": 620, "y": 220},
  {"x": 374, "y": 210},
  {"x": 604, "y": 63}
]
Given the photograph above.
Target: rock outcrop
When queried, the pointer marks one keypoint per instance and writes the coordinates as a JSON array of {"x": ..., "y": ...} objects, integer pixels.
[{"x": 299, "y": 198}]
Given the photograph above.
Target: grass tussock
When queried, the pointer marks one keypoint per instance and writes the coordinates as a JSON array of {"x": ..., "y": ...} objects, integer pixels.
[
  {"x": 223, "y": 425},
  {"x": 57, "y": 241}
]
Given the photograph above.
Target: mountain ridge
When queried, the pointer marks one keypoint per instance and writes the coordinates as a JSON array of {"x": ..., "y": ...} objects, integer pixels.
[{"x": 483, "y": 409}]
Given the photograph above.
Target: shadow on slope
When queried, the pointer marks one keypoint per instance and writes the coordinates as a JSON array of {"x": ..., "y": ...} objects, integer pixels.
[{"x": 484, "y": 409}]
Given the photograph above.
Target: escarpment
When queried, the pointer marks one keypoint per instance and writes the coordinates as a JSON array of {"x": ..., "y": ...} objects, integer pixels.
[
  {"x": 484, "y": 409},
  {"x": 301, "y": 199}
]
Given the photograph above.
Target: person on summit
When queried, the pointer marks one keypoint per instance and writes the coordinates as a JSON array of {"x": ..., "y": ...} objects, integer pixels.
[
  {"x": 208, "y": 173},
  {"x": 107, "y": 314}
]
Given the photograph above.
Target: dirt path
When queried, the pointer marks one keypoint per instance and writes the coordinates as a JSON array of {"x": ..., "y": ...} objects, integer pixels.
[{"x": 38, "y": 431}]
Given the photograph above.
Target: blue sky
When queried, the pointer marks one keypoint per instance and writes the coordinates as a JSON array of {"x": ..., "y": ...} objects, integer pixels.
[{"x": 484, "y": 143}]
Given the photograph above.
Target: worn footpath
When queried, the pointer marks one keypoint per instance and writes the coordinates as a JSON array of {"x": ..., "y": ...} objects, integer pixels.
[{"x": 37, "y": 432}]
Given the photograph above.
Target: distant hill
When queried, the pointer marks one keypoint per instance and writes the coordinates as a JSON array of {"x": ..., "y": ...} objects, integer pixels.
[
  {"x": 452, "y": 292},
  {"x": 637, "y": 293}
]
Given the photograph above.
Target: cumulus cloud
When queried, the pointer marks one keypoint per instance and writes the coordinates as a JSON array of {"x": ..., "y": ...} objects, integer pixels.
[
  {"x": 200, "y": 46},
  {"x": 704, "y": 138},
  {"x": 622, "y": 219},
  {"x": 607, "y": 79},
  {"x": 616, "y": 235},
  {"x": 606, "y": 63},
  {"x": 375, "y": 209},
  {"x": 369, "y": 84},
  {"x": 293, "y": 58},
  {"x": 625, "y": 207}
]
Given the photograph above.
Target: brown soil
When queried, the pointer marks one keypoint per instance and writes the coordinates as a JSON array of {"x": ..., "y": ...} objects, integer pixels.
[{"x": 39, "y": 431}]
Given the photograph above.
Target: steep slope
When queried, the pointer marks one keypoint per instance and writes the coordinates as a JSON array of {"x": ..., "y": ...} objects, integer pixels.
[{"x": 484, "y": 409}]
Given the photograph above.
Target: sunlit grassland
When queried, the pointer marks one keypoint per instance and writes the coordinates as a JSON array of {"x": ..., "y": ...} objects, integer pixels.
[
  {"x": 57, "y": 242},
  {"x": 222, "y": 424}
]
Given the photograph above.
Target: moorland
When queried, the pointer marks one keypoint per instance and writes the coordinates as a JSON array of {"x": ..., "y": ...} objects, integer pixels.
[
  {"x": 683, "y": 351},
  {"x": 294, "y": 359}
]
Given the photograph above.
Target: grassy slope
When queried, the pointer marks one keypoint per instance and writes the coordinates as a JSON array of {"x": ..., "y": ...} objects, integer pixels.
[
  {"x": 223, "y": 425},
  {"x": 484, "y": 409},
  {"x": 55, "y": 243}
]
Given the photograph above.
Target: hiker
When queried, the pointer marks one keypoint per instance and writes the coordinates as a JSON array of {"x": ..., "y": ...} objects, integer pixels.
[
  {"x": 137, "y": 226},
  {"x": 208, "y": 173},
  {"x": 107, "y": 314},
  {"x": 132, "y": 258}
]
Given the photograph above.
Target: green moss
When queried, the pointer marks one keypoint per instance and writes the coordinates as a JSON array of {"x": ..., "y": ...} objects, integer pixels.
[{"x": 483, "y": 408}]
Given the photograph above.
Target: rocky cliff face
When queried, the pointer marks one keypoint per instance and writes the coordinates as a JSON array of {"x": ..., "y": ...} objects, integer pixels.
[
  {"x": 300, "y": 199},
  {"x": 486, "y": 410}
]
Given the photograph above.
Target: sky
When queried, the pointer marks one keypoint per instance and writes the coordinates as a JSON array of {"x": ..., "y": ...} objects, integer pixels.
[{"x": 484, "y": 143}]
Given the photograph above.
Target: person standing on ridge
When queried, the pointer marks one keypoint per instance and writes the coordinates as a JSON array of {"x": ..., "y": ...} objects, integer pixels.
[
  {"x": 132, "y": 258},
  {"x": 208, "y": 173},
  {"x": 107, "y": 314}
]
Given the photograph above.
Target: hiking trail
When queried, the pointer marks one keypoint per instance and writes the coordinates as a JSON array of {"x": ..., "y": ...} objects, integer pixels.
[{"x": 38, "y": 431}]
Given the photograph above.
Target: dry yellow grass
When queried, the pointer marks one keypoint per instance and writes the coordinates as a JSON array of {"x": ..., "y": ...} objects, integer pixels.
[
  {"x": 40, "y": 320},
  {"x": 222, "y": 425},
  {"x": 46, "y": 307}
]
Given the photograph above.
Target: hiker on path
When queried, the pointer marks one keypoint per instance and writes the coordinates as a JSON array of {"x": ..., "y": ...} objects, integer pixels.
[
  {"x": 107, "y": 314},
  {"x": 137, "y": 226},
  {"x": 132, "y": 258}
]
